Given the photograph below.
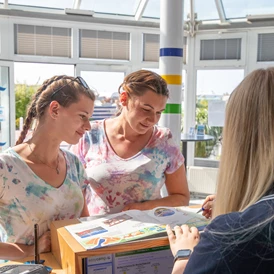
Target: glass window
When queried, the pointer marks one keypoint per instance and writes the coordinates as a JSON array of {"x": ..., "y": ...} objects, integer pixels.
[
  {"x": 106, "y": 85},
  {"x": 35, "y": 74},
  {"x": 4, "y": 108},
  {"x": 213, "y": 90},
  {"x": 153, "y": 9},
  {"x": 242, "y": 8},
  {"x": 60, "y": 4},
  {"x": 206, "y": 11},
  {"x": 28, "y": 77},
  {"x": 117, "y": 7}
]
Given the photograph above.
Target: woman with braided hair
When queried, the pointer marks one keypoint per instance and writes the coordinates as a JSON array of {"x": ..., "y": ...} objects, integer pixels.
[{"x": 39, "y": 182}]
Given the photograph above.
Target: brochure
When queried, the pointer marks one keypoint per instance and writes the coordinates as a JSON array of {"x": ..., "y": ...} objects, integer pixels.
[{"x": 131, "y": 225}]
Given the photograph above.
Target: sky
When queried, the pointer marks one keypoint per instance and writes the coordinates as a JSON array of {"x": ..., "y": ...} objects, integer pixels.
[
  {"x": 205, "y": 9},
  {"x": 105, "y": 83},
  {"x": 216, "y": 82}
]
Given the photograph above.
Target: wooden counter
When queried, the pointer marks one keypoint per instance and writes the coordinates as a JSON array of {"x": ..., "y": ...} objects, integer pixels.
[
  {"x": 49, "y": 261},
  {"x": 69, "y": 253}
]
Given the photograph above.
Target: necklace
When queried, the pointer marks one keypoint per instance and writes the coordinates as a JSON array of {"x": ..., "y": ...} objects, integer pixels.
[{"x": 57, "y": 166}]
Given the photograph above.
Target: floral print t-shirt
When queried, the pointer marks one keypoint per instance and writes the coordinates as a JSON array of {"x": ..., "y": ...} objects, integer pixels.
[
  {"x": 114, "y": 181},
  {"x": 25, "y": 199}
]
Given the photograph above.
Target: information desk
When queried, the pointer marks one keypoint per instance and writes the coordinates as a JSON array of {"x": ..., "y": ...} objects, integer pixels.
[
  {"x": 70, "y": 254},
  {"x": 67, "y": 255}
]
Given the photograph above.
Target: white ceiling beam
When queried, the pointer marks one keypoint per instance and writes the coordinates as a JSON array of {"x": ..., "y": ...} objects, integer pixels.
[
  {"x": 6, "y": 4},
  {"x": 191, "y": 11},
  {"x": 77, "y": 4},
  {"x": 140, "y": 10},
  {"x": 221, "y": 12}
]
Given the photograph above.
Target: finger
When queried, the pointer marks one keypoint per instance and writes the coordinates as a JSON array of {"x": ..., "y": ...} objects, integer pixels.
[
  {"x": 185, "y": 229},
  {"x": 170, "y": 234},
  {"x": 194, "y": 231},
  {"x": 178, "y": 231}
]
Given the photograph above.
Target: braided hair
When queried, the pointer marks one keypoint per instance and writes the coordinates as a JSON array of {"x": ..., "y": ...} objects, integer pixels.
[{"x": 69, "y": 91}]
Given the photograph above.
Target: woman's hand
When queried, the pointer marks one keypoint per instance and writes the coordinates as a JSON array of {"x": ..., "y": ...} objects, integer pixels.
[
  {"x": 10, "y": 251},
  {"x": 185, "y": 237},
  {"x": 137, "y": 206},
  {"x": 208, "y": 206}
]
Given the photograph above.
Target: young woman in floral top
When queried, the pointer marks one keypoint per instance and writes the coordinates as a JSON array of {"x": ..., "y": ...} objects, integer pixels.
[
  {"x": 129, "y": 158},
  {"x": 39, "y": 182}
]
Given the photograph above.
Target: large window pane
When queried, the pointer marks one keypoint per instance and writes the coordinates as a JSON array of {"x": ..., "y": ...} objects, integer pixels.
[
  {"x": 206, "y": 11},
  {"x": 117, "y": 7},
  {"x": 4, "y": 108},
  {"x": 153, "y": 9},
  {"x": 60, "y": 4},
  {"x": 242, "y": 8},
  {"x": 106, "y": 85},
  {"x": 213, "y": 88},
  {"x": 28, "y": 77}
]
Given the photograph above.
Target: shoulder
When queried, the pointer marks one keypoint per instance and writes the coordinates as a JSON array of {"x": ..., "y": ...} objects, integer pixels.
[
  {"x": 239, "y": 242},
  {"x": 71, "y": 157},
  {"x": 162, "y": 133},
  {"x": 8, "y": 155},
  {"x": 252, "y": 216}
]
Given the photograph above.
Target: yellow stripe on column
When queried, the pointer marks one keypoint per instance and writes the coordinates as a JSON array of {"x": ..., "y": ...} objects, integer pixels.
[{"x": 173, "y": 79}]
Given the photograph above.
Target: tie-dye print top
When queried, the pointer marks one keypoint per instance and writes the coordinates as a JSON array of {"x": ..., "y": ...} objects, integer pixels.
[
  {"x": 114, "y": 181},
  {"x": 25, "y": 199}
]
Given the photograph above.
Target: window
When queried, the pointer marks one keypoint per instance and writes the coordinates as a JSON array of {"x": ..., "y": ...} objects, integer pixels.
[{"x": 213, "y": 89}]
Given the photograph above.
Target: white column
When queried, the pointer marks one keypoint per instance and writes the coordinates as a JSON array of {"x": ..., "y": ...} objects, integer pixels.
[{"x": 171, "y": 61}]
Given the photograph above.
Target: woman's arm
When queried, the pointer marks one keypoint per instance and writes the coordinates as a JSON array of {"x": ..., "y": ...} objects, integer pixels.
[
  {"x": 184, "y": 237},
  {"x": 15, "y": 251},
  {"x": 9, "y": 251},
  {"x": 85, "y": 212},
  {"x": 178, "y": 193}
]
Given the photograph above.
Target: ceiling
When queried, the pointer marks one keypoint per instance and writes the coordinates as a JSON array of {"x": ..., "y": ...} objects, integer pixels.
[
  {"x": 219, "y": 12},
  {"x": 144, "y": 9}
]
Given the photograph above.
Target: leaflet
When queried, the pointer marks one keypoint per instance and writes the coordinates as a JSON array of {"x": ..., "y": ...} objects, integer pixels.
[{"x": 131, "y": 225}]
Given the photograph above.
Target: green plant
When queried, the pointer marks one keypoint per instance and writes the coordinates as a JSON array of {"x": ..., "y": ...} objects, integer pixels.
[
  {"x": 204, "y": 149},
  {"x": 23, "y": 96}
]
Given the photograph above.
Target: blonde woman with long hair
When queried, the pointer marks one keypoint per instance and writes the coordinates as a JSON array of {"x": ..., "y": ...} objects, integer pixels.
[{"x": 240, "y": 238}]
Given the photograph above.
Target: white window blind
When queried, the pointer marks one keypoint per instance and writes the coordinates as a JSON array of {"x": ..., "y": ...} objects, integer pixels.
[
  {"x": 42, "y": 41},
  {"x": 221, "y": 49},
  {"x": 265, "y": 51},
  {"x": 104, "y": 44},
  {"x": 151, "y": 47}
]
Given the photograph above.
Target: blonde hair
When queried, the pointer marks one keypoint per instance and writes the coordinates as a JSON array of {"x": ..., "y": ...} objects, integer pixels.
[
  {"x": 246, "y": 170},
  {"x": 63, "y": 89}
]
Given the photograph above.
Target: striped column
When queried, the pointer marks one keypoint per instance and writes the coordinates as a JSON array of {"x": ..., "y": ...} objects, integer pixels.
[{"x": 171, "y": 61}]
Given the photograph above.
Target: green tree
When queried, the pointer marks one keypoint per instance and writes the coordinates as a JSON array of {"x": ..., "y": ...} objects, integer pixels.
[
  {"x": 23, "y": 96},
  {"x": 204, "y": 149}
]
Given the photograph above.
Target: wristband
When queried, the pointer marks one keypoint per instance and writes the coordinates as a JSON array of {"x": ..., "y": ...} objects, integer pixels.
[{"x": 182, "y": 254}]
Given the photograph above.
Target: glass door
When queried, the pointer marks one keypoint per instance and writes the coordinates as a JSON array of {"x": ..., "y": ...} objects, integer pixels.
[{"x": 7, "y": 110}]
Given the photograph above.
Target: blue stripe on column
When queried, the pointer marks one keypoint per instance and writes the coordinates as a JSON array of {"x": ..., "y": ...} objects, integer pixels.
[{"x": 171, "y": 52}]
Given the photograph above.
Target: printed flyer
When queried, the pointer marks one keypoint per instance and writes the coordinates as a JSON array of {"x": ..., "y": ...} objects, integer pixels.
[{"x": 131, "y": 225}]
